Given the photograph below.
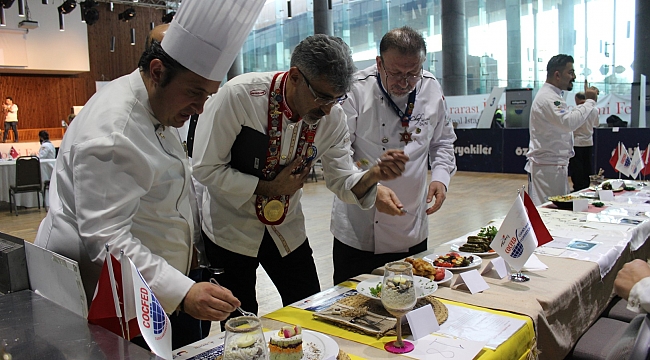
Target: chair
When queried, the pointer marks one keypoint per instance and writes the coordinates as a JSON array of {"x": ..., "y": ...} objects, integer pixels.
[
  {"x": 46, "y": 187},
  {"x": 28, "y": 179}
]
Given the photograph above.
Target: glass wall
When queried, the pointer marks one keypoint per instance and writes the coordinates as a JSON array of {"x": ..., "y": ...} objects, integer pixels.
[{"x": 598, "y": 33}]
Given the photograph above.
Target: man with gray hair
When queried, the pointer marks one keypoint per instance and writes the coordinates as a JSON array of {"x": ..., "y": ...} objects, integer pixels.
[
  {"x": 394, "y": 104},
  {"x": 254, "y": 147}
]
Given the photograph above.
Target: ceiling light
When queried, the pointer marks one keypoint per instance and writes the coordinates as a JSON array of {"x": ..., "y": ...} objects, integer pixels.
[
  {"x": 89, "y": 14},
  {"x": 6, "y": 4},
  {"x": 127, "y": 14},
  {"x": 67, "y": 6},
  {"x": 167, "y": 18}
]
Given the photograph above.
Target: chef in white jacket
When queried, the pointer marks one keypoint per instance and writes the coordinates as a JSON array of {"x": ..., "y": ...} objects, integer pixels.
[
  {"x": 365, "y": 239},
  {"x": 551, "y": 130},
  {"x": 122, "y": 176}
]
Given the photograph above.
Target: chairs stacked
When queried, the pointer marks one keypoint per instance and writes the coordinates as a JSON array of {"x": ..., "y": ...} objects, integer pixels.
[{"x": 28, "y": 179}]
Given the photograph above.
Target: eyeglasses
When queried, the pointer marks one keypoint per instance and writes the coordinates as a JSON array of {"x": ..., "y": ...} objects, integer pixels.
[
  {"x": 411, "y": 79},
  {"x": 321, "y": 100}
]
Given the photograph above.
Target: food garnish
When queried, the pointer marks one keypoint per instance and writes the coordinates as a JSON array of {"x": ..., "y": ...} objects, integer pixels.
[{"x": 376, "y": 291}]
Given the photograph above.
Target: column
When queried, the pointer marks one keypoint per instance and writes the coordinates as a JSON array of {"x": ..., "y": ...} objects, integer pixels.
[
  {"x": 513, "y": 30},
  {"x": 566, "y": 31},
  {"x": 641, "y": 57},
  {"x": 454, "y": 47},
  {"x": 323, "y": 17}
]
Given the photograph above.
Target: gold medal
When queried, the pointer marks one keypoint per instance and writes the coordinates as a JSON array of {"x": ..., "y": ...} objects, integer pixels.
[{"x": 273, "y": 210}]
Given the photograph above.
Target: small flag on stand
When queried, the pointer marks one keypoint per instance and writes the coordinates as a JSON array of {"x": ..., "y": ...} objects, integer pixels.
[
  {"x": 637, "y": 163},
  {"x": 624, "y": 164},
  {"x": 515, "y": 241},
  {"x": 13, "y": 153},
  {"x": 615, "y": 156},
  {"x": 541, "y": 231},
  {"x": 115, "y": 305},
  {"x": 646, "y": 165}
]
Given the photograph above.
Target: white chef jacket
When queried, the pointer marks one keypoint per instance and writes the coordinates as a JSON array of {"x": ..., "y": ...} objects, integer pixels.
[
  {"x": 371, "y": 119},
  {"x": 583, "y": 136},
  {"x": 120, "y": 181},
  {"x": 229, "y": 217},
  {"x": 47, "y": 151},
  {"x": 551, "y": 127}
]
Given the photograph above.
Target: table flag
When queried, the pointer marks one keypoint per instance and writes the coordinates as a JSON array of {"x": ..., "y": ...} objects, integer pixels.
[
  {"x": 615, "y": 156},
  {"x": 637, "y": 163},
  {"x": 646, "y": 165},
  {"x": 515, "y": 241},
  {"x": 13, "y": 153},
  {"x": 541, "y": 231},
  {"x": 624, "y": 163}
]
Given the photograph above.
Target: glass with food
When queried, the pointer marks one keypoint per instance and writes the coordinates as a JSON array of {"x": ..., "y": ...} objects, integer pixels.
[
  {"x": 244, "y": 339},
  {"x": 398, "y": 297}
]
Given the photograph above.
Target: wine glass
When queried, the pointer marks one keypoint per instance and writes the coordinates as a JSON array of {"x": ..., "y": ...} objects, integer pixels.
[
  {"x": 398, "y": 297},
  {"x": 244, "y": 339}
]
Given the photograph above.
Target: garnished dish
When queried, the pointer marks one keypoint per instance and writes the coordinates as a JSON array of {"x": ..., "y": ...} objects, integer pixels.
[
  {"x": 424, "y": 268},
  {"x": 454, "y": 260},
  {"x": 478, "y": 244},
  {"x": 286, "y": 343},
  {"x": 563, "y": 201},
  {"x": 614, "y": 185},
  {"x": 372, "y": 287}
]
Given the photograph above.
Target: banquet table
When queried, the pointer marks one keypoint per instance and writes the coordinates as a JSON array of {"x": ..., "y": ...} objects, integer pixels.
[
  {"x": 8, "y": 177},
  {"x": 568, "y": 297}
]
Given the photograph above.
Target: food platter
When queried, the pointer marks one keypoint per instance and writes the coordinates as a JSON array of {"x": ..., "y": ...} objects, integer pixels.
[
  {"x": 423, "y": 286},
  {"x": 448, "y": 276},
  {"x": 564, "y": 202},
  {"x": 476, "y": 261},
  {"x": 456, "y": 247},
  {"x": 619, "y": 188},
  {"x": 314, "y": 345}
]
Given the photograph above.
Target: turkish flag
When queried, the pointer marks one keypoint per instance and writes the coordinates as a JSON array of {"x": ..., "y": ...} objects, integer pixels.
[
  {"x": 615, "y": 155},
  {"x": 645, "y": 157},
  {"x": 13, "y": 153},
  {"x": 107, "y": 306},
  {"x": 541, "y": 232}
]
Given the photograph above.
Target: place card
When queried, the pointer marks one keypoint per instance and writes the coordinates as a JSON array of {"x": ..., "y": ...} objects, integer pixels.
[
  {"x": 580, "y": 205},
  {"x": 606, "y": 195},
  {"x": 472, "y": 280},
  {"x": 422, "y": 322},
  {"x": 496, "y": 266}
]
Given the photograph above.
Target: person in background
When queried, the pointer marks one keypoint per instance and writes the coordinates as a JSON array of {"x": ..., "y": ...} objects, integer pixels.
[
  {"x": 498, "y": 122},
  {"x": 10, "y": 111},
  {"x": 122, "y": 176},
  {"x": 256, "y": 218},
  {"x": 583, "y": 143},
  {"x": 394, "y": 104},
  {"x": 551, "y": 130},
  {"x": 632, "y": 283},
  {"x": 47, "y": 150}
]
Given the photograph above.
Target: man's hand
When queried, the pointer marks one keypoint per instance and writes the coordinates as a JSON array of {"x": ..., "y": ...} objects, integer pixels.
[
  {"x": 206, "y": 301},
  {"x": 390, "y": 165},
  {"x": 387, "y": 201},
  {"x": 629, "y": 275},
  {"x": 591, "y": 92},
  {"x": 287, "y": 182},
  {"x": 439, "y": 191}
]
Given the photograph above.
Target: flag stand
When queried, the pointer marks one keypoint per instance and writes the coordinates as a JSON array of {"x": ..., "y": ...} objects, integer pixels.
[{"x": 519, "y": 277}]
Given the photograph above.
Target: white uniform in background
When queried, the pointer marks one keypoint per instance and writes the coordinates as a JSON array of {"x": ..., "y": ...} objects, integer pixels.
[
  {"x": 123, "y": 180},
  {"x": 47, "y": 151},
  {"x": 374, "y": 128},
  {"x": 551, "y": 142},
  {"x": 583, "y": 136}
]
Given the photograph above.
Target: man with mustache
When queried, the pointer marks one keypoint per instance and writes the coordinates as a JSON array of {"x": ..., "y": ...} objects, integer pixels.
[
  {"x": 258, "y": 219},
  {"x": 122, "y": 176},
  {"x": 394, "y": 104},
  {"x": 551, "y": 130}
]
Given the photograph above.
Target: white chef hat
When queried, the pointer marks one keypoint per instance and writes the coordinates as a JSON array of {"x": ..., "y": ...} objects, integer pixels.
[{"x": 205, "y": 36}]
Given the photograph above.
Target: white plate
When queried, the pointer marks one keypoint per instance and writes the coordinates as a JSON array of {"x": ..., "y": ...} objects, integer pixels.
[
  {"x": 423, "y": 286},
  {"x": 456, "y": 247},
  {"x": 448, "y": 276},
  {"x": 326, "y": 347},
  {"x": 476, "y": 261}
]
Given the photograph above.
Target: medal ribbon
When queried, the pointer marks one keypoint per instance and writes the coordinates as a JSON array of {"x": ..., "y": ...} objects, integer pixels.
[
  {"x": 267, "y": 208},
  {"x": 404, "y": 116}
]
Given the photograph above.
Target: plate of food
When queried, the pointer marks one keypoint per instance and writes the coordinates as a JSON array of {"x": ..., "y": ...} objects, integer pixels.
[
  {"x": 455, "y": 260},
  {"x": 478, "y": 244},
  {"x": 564, "y": 202},
  {"x": 614, "y": 185},
  {"x": 372, "y": 287},
  {"x": 314, "y": 345},
  {"x": 424, "y": 268}
]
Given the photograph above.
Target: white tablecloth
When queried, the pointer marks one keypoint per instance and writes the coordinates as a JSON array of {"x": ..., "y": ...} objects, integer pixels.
[{"x": 8, "y": 177}]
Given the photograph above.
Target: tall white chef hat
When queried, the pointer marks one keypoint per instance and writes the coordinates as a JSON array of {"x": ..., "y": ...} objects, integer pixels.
[{"x": 205, "y": 36}]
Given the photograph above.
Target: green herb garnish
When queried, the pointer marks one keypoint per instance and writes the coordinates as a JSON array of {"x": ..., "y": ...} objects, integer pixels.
[
  {"x": 597, "y": 204},
  {"x": 488, "y": 232},
  {"x": 376, "y": 291}
]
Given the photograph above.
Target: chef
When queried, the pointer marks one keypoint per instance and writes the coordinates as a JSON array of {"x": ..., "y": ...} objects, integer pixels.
[{"x": 122, "y": 176}]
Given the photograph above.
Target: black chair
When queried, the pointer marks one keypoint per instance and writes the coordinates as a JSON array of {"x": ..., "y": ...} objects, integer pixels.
[
  {"x": 46, "y": 187},
  {"x": 28, "y": 179}
]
